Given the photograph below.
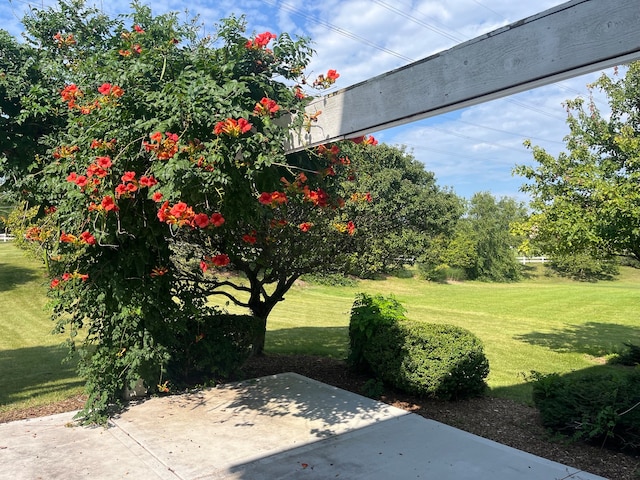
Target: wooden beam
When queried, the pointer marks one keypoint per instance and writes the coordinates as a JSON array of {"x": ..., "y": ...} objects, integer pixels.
[{"x": 575, "y": 38}]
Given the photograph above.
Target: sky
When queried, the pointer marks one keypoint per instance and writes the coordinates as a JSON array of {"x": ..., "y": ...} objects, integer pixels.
[{"x": 469, "y": 150}]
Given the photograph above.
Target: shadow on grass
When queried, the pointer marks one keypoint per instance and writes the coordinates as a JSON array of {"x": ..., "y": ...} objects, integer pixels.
[
  {"x": 35, "y": 371},
  {"x": 11, "y": 276},
  {"x": 591, "y": 338},
  {"x": 330, "y": 341}
]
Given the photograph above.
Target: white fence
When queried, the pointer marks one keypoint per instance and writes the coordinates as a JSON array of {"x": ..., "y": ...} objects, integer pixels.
[
  {"x": 5, "y": 237},
  {"x": 525, "y": 260}
]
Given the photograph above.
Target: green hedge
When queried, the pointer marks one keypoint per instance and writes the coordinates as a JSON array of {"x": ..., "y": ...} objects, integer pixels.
[
  {"x": 434, "y": 360},
  {"x": 599, "y": 407}
]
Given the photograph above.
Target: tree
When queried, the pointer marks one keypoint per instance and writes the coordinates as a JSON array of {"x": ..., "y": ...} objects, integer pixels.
[
  {"x": 407, "y": 209},
  {"x": 482, "y": 244},
  {"x": 495, "y": 247},
  {"x": 165, "y": 170},
  {"x": 587, "y": 199}
]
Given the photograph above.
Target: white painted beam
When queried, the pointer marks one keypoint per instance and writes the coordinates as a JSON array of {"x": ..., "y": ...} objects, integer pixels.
[{"x": 577, "y": 37}]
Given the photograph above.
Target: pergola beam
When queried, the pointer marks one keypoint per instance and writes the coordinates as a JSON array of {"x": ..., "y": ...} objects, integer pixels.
[{"x": 575, "y": 38}]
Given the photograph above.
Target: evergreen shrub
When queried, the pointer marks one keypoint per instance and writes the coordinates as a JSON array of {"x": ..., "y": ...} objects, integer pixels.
[
  {"x": 598, "y": 407},
  {"x": 431, "y": 360}
]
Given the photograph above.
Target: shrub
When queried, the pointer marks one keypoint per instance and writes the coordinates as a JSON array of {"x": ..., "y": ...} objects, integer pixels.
[
  {"x": 600, "y": 407},
  {"x": 630, "y": 356},
  {"x": 434, "y": 360},
  {"x": 584, "y": 267},
  {"x": 368, "y": 314},
  {"x": 215, "y": 346}
]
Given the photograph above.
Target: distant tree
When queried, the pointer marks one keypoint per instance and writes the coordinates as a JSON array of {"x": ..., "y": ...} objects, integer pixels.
[
  {"x": 408, "y": 209},
  {"x": 482, "y": 244},
  {"x": 586, "y": 200},
  {"x": 495, "y": 246}
]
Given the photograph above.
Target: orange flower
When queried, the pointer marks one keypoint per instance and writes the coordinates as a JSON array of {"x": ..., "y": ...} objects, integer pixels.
[
  {"x": 158, "y": 271},
  {"x": 232, "y": 127},
  {"x": 266, "y": 107},
  {"x": 306, "y": 226}
]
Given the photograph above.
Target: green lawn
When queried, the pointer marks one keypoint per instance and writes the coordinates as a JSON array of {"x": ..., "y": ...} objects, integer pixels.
[
  {"x": 542, "y": 324},
  {"x": 31, "y": 369}
]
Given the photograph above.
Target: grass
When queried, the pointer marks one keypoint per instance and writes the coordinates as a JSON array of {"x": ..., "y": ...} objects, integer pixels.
[
  {"x": 31, "y": 369},
  {"x": 542, "y": 324}
]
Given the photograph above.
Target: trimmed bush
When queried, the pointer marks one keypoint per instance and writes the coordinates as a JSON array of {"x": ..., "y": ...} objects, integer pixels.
[
  {"x": 368, "y": 314},
  {"x": 432, "y": 360},
  {"x": 598, "y": 407}
]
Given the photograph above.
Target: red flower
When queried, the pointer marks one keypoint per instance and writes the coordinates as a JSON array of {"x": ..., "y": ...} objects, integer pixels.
[
  {"x": 55, "y": 283},
  {"x": 261, "y": 40},
  {"x": 306, "y": 226},
  {"x": 137, "y": 48},
  {"x": 221, "y": 260},
  {"x": 87, "y": 238},
  {"x": 265, "y": 198},
  {"x": 351, "y": 228},
  {"x": 266, "y": 107},
  {"x": 156, "y": 197},
  {"x": 249, "y": 238},
  {"x": 217, "y": 219},
  {"x": 318, "y": 197},
  {"x": 109, "y": 89},
  {"x": 201, "y": 220},
  {"x": 108, "y": 204},
  {"x": 129, "y": 176},
  {"x": 121, "y": 190},
  {"x": 148, "y": 181},
  {"x": 332, "y": 75}
]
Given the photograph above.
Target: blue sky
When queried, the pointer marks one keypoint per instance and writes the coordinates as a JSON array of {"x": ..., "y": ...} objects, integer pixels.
[{"x": 469, "y": 150}]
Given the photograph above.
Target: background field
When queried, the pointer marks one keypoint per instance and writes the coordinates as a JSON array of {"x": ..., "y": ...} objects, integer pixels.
[{"x": 542, "y": 324}]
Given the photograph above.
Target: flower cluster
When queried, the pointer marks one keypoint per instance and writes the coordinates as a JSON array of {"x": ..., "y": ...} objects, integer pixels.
[
  {"x": 325, "y": 81},
  {"x": 261, "y": 41},
  {"x": 130, "y": 184},
  {"x": 133, "y": 46},
  {"x": 272, "y": 199},
  {"x": 266, "y": 107},
  {"x": 66, "y": 277},
  {"x": 348, "y": 227},
  {"x": 36, "y": 234},
  {"x": 64, "y": 40},
  {"x": 65, "y": 151},
  {"x": 107, "y": 204},
  {"x": 182, "y": 215},
  {"x": 163, "y": 146},
  {"x": 85, "y": 238},
  {"x": 232, "y": 127},
  {"x": 97, "y": 170},
  {"x": 71, "y": 94}
]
